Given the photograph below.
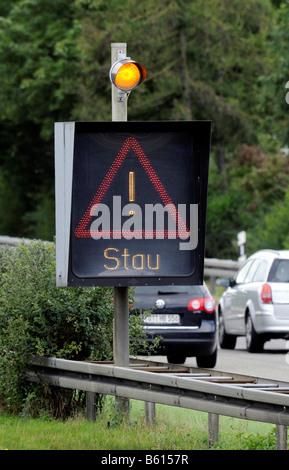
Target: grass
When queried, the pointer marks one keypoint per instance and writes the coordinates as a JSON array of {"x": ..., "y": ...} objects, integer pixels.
[{"x": 175, "y": 429}]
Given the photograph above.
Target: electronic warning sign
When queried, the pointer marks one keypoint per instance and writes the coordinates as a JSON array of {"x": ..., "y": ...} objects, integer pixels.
[{"x": 131, "y": 202}]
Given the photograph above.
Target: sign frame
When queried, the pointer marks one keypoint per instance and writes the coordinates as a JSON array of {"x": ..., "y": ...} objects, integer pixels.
[{"x": 65, "y": 133}]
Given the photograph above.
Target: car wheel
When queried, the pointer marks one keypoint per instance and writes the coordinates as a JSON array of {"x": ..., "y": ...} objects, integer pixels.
[
  {"x": 254, "y": 342},
  {"x": 225, "y": 341},
  {"x": 207, "y": 361},
  {"x": 175, "y": 358}
]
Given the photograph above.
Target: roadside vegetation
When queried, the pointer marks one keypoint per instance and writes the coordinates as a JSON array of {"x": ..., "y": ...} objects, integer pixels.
[
  {"x": 228, "y": 64},
  {"x": 174, "y": 429},
  {"x": 39, "y": 319}
]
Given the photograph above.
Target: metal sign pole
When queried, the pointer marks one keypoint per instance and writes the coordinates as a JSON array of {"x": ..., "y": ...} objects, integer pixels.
[
  {"x": 119, "y": 103},
  {"x": 121, "y": 308}
]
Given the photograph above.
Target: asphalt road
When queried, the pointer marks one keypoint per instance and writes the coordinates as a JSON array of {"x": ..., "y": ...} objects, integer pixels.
[{"x": 272, "y": 363}]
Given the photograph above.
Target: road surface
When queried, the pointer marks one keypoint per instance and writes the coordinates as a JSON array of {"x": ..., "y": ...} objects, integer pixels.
[{"x": 272, "y": 363}]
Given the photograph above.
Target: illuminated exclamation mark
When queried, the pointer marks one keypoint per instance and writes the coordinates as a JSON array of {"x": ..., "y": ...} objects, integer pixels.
[{"x": 131, "y": 186}]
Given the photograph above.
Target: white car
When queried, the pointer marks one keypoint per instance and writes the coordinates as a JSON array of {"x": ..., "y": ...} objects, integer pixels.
[{"x": 256, "y": 303}]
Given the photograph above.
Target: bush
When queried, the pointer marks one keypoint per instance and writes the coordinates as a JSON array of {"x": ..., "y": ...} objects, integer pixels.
[{"x": 37, "y": 319}]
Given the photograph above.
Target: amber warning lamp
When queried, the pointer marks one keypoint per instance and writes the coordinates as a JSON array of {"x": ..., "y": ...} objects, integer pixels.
[{"x": 126, "y": 74}]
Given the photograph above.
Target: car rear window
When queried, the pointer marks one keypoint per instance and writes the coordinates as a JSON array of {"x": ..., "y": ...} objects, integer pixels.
[
  {"x": 158, "y": 290},
  {"x": 260, "y": 274},
  {"x": 279, "y": 271}
]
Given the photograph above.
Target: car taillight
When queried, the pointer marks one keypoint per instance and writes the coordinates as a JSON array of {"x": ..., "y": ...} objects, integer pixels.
[
  {"x": 208, "y": 304},
  {"x": 266, "y": 294}
]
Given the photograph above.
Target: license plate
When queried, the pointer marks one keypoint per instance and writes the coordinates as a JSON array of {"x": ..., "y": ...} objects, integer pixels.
[
  {"x": 280, "y": 295},
  {"x": 165, "y": 319}
]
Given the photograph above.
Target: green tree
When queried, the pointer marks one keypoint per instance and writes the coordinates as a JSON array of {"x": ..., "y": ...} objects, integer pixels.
[
  {"x": 273, "y": 230},
  {"x": 203, "y": 62},
  {"x": 38, "y": 57},
  {"x": 274, "y": 106}
]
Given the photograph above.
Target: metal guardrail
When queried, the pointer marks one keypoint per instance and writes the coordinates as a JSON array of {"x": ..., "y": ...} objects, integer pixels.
[
  {"x": 209, "y": 391},
  {"x": 220, "y": 268},
  {"x": 12, "y": 241},
  {"x": 213, "y": 267}
]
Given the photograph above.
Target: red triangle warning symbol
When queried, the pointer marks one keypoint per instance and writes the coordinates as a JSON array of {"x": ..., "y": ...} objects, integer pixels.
[{"x": 83, "y": 231}]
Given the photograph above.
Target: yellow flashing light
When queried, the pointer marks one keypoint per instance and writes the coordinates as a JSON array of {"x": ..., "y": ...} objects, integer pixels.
[{"x": 127, "y": 74}]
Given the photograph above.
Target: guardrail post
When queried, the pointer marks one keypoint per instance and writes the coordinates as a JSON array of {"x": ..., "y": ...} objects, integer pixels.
[
  {"x": 90, "y": 406},
  {"x": 150, "y": 412},
  {"x": 121, "y": 342},
  {"x": 213, "y": 429},
  {"x": 213, "y": 284},
  {"x": 281, "y": 437}
]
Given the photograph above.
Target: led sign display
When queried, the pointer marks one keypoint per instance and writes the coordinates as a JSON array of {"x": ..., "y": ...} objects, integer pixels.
[{"x": 136, "y": 201}]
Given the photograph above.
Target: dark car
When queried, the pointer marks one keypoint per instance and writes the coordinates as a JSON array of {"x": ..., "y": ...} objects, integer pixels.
[{"x": 184, "y": 317}]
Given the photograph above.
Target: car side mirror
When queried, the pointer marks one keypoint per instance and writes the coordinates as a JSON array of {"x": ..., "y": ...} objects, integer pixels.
[{"x": 225, "y": 282}]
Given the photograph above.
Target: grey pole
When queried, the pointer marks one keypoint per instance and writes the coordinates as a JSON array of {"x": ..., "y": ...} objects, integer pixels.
[
  {"x": 121, "y": 310},
  {"x": 119, "y": 105}
]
